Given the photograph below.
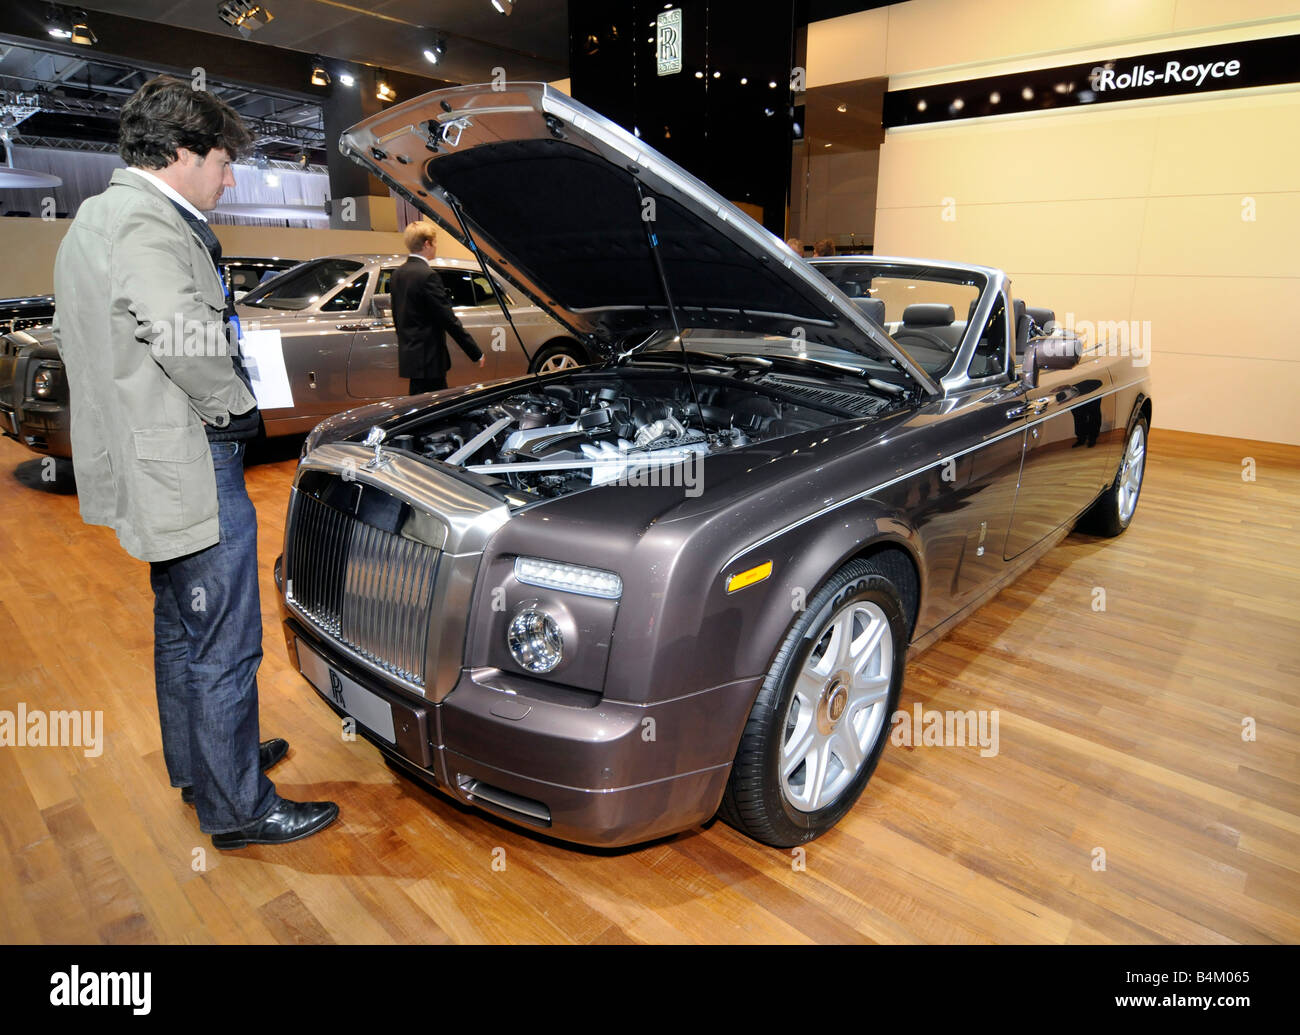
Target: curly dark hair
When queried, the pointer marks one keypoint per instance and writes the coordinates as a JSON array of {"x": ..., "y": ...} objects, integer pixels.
[{"x": 165, "y": 114}]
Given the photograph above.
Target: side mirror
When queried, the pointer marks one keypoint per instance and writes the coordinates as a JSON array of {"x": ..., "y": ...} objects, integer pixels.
[{"x": 1057, "y": 352}]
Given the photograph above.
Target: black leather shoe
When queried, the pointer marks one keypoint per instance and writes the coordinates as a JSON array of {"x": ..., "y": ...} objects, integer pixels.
[
  {"x": 292, "y": 821},
  {"x": 269, "y": 752}
]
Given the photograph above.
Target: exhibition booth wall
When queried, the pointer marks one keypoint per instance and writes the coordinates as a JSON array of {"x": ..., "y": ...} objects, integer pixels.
[
  {"x": 28, "y": 246},
  {"x": 1176, "y": 217}
]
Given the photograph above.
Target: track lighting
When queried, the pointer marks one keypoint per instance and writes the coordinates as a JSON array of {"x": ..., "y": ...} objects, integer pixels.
[
  {"x": 435, "y": 49},
  {"x": 71, "y": 25},
  {"x": 243, "y": 15},
  {"x": 319, "y": 74}
]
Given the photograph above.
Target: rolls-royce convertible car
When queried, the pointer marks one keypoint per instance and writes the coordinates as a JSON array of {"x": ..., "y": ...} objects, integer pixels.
[
  {"x": 610, "y": 603},
  {"x": 334, "y": 320}
]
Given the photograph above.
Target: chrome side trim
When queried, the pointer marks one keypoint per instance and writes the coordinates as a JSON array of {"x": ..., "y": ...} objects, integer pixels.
[{"x": 1019, "y": 429}]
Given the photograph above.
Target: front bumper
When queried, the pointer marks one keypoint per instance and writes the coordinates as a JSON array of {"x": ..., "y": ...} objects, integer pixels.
[
  {"x": 41, "y": 427},
  {"x": 593, "y": 772}
]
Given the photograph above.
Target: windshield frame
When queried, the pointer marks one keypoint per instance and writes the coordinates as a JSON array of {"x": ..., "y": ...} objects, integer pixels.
[
  {"x": 254, "y": 297},
  {"x": 996, "y": 285}
]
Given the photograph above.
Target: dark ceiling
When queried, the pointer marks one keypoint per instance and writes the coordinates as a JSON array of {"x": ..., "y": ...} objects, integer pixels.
[{"x": 530, "y": 44}]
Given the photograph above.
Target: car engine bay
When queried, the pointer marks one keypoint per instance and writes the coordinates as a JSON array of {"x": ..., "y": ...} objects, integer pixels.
[{"x": 561, "y": 437}]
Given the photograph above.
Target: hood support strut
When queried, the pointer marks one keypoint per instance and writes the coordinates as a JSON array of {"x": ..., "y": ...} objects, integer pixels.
[
  {"x": 473, "y": 246},
  {"x": 652, "y": 239}
]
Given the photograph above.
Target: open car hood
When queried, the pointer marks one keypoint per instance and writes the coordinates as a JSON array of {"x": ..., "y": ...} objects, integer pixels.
[{"x": 553, "y": 195}]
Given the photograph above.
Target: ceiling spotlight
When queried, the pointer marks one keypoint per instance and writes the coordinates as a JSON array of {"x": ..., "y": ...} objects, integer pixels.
[
  {"x": 243, "y": 15},
  {"x": 1027, "y": 93},
  {"x": 503, "y": 6},
  {"x": 382, "y": 90},
  {"x": 57, "y": 23},
  {"x": 841, "y": 108},
  {"x": 302, "y": 159},
  {"x": 82, "y": 33},
  {"x": 435, "y": 50},
  {"x": 319, "y": 74},
  {"x": 346, "y": 79}
]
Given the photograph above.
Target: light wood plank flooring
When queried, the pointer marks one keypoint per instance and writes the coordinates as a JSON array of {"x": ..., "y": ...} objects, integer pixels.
[{"x": 1120, "y": 741}]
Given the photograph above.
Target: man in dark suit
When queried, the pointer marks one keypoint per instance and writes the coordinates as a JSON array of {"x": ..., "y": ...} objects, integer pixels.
[{"x": 422, "y": 314}]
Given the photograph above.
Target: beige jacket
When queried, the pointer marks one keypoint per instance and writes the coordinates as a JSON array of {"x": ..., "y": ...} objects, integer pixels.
[{"x": 138, "y": 325}]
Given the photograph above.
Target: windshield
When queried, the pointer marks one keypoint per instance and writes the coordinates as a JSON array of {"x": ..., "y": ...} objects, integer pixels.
[
  {"x": 302, "y": 286},
  {"x": 775, "y": 347},
  {"x": 925, "y": 309}
]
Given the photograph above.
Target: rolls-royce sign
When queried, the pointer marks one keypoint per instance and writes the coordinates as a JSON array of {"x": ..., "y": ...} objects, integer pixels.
[
  {"x": 1223, "y": 66},
  {"x": 668, "y": 41},
  {"x": 1105, "y": 78}
]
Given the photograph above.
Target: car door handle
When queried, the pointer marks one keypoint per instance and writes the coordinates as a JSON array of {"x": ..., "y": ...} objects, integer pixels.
[
  {"x": 356, "y": 326},
  {"x": 1033, "y": 408}
]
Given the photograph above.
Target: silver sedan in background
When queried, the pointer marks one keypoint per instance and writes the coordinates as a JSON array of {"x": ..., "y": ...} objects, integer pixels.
[{"x": 335, "y": 320}]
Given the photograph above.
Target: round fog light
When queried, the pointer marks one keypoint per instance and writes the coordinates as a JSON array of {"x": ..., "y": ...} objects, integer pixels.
[
  {"x": 43, "y": 383},
  {"x": 535, "y": 640}
]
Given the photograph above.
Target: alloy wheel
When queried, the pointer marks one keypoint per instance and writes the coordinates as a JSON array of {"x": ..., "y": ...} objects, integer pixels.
[{"x": 838, "y": 706}]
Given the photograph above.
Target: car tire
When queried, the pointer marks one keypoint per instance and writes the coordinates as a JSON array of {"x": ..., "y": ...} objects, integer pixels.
[
  {"x": 560, "y": 355},
  {"x": 822, "y": 716},
  {"x": 1113, "y": 512}
]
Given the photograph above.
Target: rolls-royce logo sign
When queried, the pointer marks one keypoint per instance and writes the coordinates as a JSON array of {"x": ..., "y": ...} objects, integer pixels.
[
  {"x": 336, "y": 689},
  {"x": 1136, "y": 77},
  {"x": 668, "y": 41},
  {"x": 1106, "y": 78}
]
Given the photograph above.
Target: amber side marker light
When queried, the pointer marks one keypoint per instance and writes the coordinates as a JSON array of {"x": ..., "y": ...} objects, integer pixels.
[{"x": 748, "y": 577}]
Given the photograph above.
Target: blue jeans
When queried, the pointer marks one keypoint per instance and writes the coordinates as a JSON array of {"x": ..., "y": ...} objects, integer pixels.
[{"x": 207, "y": 646}]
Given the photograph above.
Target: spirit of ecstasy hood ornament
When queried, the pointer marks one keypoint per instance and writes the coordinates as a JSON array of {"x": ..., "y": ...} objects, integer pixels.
[{"x": 375, "y": 437}]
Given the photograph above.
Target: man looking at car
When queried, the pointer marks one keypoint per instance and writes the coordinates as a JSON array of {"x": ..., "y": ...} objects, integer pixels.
[
  {"x": 158, "y": 429},
  {"x": 422, "y": 314}
]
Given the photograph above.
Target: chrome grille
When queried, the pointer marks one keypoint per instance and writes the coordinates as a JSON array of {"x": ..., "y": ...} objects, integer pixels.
[{"x": 366, "y": 587}]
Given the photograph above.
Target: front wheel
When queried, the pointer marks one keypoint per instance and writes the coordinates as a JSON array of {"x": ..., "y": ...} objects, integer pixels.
[
  {"x": 564, "y": 355},
  {"x": 1114, "y": 511},
  {"x": 821, "y": 719}
]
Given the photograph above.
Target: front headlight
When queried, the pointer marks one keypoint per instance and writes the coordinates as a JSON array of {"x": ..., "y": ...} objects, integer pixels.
[
  {"x": 535, "y": 641},
  {"x": 572, "y": 578}
]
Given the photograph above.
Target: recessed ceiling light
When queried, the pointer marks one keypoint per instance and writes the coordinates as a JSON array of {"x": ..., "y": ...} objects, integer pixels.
[{"x": 841, "y": 108}]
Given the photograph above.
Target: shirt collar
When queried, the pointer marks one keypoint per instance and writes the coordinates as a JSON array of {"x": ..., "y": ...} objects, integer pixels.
[
  {"x": 167, "y": 189},
  {"x": 417, "y": 255}
]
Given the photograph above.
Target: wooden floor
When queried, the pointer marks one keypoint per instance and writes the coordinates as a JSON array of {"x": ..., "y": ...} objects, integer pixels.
[{"x": 1120, "y": 741}]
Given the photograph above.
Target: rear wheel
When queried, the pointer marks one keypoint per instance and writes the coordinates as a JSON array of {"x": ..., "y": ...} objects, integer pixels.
[
  {"x": 562, "y": 355},
  {"x": 821, "y": 718},
  {"x": 1114, "y": 511}
]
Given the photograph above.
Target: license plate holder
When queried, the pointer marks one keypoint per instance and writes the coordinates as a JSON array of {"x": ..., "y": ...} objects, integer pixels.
[{"x": 341, "y": 690}]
